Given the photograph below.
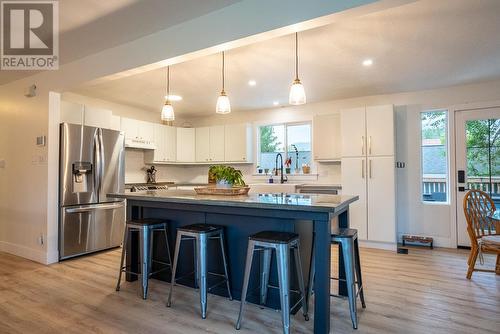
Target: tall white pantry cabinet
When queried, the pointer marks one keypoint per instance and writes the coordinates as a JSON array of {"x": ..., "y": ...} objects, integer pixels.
[{"x": 368, "y": 169}]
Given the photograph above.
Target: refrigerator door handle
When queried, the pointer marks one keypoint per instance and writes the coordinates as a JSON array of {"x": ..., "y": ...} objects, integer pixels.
[
  {"x": 101, "y": 161},
  {"x": 95, "y": 207},
  {"x": 97, "y": 163}
]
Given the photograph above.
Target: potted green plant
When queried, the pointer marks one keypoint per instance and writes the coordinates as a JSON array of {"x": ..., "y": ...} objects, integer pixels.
[{"x": 226, "y": 176}]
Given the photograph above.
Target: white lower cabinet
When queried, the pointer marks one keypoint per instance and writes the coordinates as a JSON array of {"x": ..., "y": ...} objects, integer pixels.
[
  {"x": 354, "y": 183},
  {"x": 373, "y": 180},
  {"x": 382, "y": 199}
]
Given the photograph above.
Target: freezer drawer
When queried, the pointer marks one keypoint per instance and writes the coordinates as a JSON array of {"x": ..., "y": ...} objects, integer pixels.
[{"x": 89, "y": 228}]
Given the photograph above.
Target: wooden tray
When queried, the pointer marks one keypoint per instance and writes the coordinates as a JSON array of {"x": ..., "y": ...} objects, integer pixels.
[{"x": 213, "y": 190}]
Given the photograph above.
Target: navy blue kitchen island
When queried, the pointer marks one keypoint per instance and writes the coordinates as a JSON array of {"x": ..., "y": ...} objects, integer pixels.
[{"x": 308, "y": 215}]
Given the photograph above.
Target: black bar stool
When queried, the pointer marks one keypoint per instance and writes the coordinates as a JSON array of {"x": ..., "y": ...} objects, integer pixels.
[
  {"x": 200, "y": 234},
  {"x": 347, "y": 239},
  {"x": 146, "y": 229},
  {"x": 282, "y": 243}
]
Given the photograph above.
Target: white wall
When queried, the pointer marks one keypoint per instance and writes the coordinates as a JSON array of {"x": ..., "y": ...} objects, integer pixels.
[{"x": 26, "y": 208}]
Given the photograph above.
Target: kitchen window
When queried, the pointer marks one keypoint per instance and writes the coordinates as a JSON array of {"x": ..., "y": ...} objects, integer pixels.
[
  {"x": 434, "y": 155},
  {"x": 292, "y": 140}
]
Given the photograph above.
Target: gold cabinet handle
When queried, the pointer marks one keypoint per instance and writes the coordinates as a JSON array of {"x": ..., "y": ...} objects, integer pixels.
[
  {"x": 362, "y": 145},
  {"x": 363, "y": 168},
  {"x": 370, "y": 145},
  {"x": 370, "y": 167}
]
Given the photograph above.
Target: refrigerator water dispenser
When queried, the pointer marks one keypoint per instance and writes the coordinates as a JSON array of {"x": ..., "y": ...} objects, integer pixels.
[{"x": 82, "y": 171}]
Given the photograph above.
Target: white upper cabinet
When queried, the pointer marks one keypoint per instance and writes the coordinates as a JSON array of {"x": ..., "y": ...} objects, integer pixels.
[
  {"x": 115, "y": 123},
  {"x": 146, "y": 131},
  {"x": 138, "y": 133},
  {"x": 380, "y": 130},
  {"x": 71, "y": 112},
  {"x": 165, "y": 138},
  {"x": 170, "y": 143},
  {"x": 210, "y": 144},
  {"x": 238, "y": 143},
  {"x": 97, "y": 117},
  {"x": 186, "y": 145},
  {"x": 217, "y": 143},
  {"x": 203, "y": 144},
  {"x": 130, "y": 128},
  {"x": 353, "y": 124},
  {"x": 327, "y": 137}
]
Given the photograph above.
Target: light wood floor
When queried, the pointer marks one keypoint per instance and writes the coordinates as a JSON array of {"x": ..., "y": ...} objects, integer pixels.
[{"x": 423, "y": 292}]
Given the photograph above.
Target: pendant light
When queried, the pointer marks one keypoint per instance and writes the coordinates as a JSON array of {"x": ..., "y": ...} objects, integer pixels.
[
  {"x": 167, "y": 112},
  {"x": 223, "y": 106},
  {"x": 297, "y": 91}
]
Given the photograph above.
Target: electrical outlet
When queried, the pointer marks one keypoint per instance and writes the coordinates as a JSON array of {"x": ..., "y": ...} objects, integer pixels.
[{"x": 40, "y": 240}]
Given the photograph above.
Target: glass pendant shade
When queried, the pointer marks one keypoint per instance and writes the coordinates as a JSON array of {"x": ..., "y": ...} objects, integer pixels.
[
  {"x": 223, "y": 105},
  {"x": 297, "y": 93},
  {"x": 167, "y": 112}
]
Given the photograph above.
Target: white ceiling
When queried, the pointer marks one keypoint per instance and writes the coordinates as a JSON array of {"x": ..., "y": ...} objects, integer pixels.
[
  {"x": 422, "y": 45},
  {"x": 90, "y": 26}
]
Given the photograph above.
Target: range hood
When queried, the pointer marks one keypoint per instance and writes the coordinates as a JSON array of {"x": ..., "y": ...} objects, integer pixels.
[{"x": 140, "y": 143}]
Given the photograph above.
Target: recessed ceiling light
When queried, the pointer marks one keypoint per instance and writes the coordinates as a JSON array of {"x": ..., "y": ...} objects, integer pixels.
[
  {"x": 368, "y": 62},
  {"x": 173, "y": 98},
  {"x": 275, "y": 103},
  {"x": 252, "y": 82}
]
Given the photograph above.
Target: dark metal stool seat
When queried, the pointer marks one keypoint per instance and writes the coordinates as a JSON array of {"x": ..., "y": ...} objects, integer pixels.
[
  {"x": 283, "y": 243},
  {"x": 146, "y": 228},
  {"x": 199, "y": 228},
  {"x": 347, "y": 239},
  {"x": 200, "y": 234},
  {"x": 274, "y": 237}
]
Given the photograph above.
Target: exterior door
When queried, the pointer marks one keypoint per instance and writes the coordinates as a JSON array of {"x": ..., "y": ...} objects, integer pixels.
[{"x": 477, "y": 134}]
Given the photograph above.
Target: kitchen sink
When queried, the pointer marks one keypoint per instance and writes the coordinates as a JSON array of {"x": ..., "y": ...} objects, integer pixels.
[{"x": 273, "y": 188}]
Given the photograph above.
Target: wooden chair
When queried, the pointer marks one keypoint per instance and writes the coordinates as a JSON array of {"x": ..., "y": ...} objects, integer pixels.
[{"x": 484, "y": 235}]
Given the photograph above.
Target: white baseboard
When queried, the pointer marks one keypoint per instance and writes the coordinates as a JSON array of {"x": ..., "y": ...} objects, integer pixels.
[
  {"x": 378, "y": 245},
  {"x": 25, "y": 252}
]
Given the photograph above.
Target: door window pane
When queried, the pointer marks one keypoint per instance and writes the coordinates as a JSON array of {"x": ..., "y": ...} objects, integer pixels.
[
  {"x": 434, "y": 156},
  {"x": 483, "y": 156}
]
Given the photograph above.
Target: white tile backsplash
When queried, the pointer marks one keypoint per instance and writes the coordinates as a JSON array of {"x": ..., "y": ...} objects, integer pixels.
[{"x": 135, "y": 171}]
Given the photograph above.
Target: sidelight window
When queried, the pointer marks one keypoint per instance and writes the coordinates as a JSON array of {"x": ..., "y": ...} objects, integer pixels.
[{"x": 434, "y": 155}]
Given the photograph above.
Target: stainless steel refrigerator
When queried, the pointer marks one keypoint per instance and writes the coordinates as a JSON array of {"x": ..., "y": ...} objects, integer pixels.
[{"x": 91, "y": 166}]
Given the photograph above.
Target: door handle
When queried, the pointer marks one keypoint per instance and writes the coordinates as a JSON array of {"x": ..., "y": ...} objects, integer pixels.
[{"x": 95, "y": 207}]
